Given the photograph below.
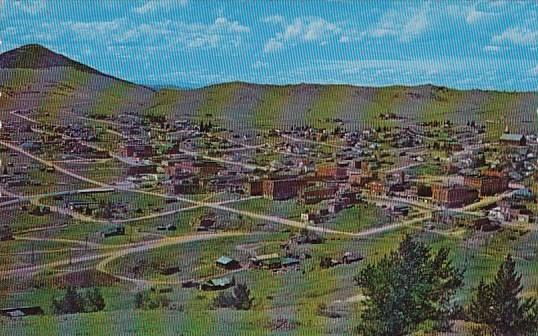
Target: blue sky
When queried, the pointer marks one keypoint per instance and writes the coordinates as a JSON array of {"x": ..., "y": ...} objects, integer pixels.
[{"x": 487, "y": 45}]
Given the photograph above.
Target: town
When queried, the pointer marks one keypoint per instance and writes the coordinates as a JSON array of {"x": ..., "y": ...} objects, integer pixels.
[
  {"x": 192, "y": 181},
  {"x": 186, "y": 205}
]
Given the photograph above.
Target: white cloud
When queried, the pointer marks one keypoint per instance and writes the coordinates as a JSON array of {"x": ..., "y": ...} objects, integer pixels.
[
  {"x": 30, "y": 6},
  {"x": 475, "y": 12},
  {"x": 95, "y": 29},
  {"x": 222, "y": 33},
  {"x": 260, "y": 65},
  {"x": 303, "y": 30},
  {"x": 274, "y": 19},
  {"x": 492, "y": 48},
  {"x": 403, "y": 25},
  {"x": 129, "y": 36},
  {"x": 473, "y": 15},
  {"x": 534, "y": 71},
  {"x": 155, "y": 5},
  {"x": 273, "y": 45},
  {"x": 231, "y": 26},
  {"x": 519, "y": 36}
]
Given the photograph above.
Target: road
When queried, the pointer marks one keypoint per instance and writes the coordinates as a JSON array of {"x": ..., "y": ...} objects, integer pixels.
[
  {"x": 112, "y": 255},
  {"x": 273, "y": 219},
  {"x": 228, "y": 162},
  {"x": 320, "y": 143}
]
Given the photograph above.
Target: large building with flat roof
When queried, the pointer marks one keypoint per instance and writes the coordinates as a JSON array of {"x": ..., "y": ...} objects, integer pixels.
[{"x": 453, "y": 196}]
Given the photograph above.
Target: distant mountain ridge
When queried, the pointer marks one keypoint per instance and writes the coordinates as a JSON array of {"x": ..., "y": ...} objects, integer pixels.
[{"x": 57, "y": 82}]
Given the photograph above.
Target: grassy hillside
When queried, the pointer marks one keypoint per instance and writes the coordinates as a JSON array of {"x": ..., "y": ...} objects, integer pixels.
[{"x": 35, "y": 77}]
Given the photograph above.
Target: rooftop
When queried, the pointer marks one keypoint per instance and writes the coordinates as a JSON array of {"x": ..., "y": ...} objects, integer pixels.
[{"x": 512, "y": 137}]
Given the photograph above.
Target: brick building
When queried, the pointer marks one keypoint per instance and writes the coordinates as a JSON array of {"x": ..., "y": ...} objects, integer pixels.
[
  {"x": 197, "y": 167},
  {"x": 360, "y": 179},
  {"x": 315, "y": 195},
  {"x": 136, "y": 150},
  {"x": 254, "y": 188},
  {"x": 490, "y": 183},
  {"x": 453, "y": 196},
  {"x": 331, "y": 171},
  {"x": 282, "y": 189},
  {"x": 377, "y": 188},
  {"x": 142, "y": 169}
]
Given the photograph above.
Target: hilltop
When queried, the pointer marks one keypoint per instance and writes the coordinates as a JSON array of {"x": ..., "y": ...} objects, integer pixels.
[{"x": 35, "y": 56}]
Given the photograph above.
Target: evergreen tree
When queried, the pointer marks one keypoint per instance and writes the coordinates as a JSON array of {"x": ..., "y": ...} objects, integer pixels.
[
  {"x": 480, "y": 307},
  {"x": 71, "y": 303},
  {"x": 239, "y": 298},
  {"x": 94, "y": 300},
  {"x": 406, "y": 288},
  {"x": 499, "y": 304},
  {"x": 241, "y": 294}
]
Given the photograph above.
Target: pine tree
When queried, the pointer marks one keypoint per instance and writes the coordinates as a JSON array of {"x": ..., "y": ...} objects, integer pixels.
[
  {"x": 94, "y": 300},
  {"x": 71, "y": 303},
  {"x": 406, "y": 288},
  {"x": 499, "y": 304},
  {"x": 239, "y": 298},
  {"x": 481, "y": 305},
  {"x": 241, "y": 294}
]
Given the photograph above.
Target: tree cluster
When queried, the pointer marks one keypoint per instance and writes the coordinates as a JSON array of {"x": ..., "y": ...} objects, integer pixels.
[
  {"x": 74, "y": 302},
  {"x": 239, "y": 298}
]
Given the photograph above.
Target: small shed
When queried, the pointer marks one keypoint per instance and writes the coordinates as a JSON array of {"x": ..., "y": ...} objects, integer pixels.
[
  {"x": 21, "y": 311},
  {"x": 351, "y": 257},
  {"x": 267, "y": 261},
  {"x": 167, "y": 227},
  {"x": 115, "y": 231},
  {"x": 288, "y": 262}
]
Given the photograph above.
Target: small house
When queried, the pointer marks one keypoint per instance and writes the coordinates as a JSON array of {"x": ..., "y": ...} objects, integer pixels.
[
  {"x": 218, "y": 284},
  {"x": 228, "y": 263},
  {"x": 513, "y": 139},
  {"x": 289, "y": 262},
  {"x": 162, "y": 289},
  {"x": 115, "y": 231},
  {"x": 167, "y": 227},
  {"x": 269, "y": 261},
  {"x": 351, "y": 257}
]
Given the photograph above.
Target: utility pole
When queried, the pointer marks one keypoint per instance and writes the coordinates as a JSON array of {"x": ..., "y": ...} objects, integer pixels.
[{"x": 33, "y": 253}]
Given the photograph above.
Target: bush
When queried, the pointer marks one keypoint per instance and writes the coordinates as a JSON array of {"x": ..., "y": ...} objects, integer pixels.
[
  {"x": 73, "y": 302},
  {"x": 151, "y": 300}
]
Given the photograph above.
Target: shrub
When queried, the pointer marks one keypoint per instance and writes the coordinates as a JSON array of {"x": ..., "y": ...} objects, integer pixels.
[{"x": 150, "y": 300}]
